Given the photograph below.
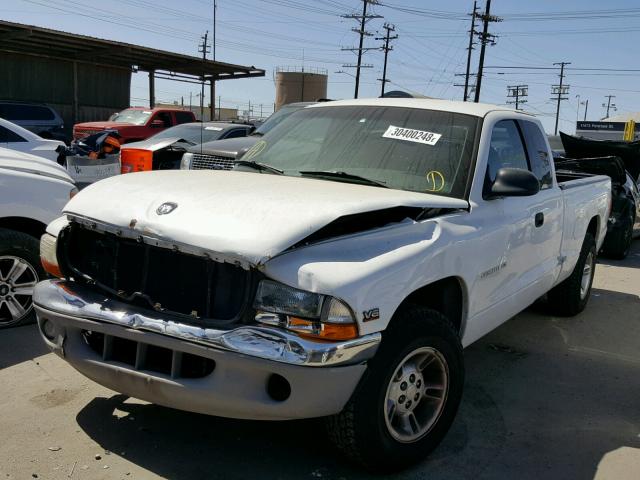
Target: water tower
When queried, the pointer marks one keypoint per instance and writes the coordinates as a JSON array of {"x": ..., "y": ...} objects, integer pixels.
[{"x": 299, "y": 84}]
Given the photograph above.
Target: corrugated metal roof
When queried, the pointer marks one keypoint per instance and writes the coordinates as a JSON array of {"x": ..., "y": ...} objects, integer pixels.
[{"x": 28, "y": 39}]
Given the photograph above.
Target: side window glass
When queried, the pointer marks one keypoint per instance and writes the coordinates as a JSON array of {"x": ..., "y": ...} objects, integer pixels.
[
  {"x": 238, "y": 132},
  {"x": 506, "y": 149},
  {"x": 538, "y": 153},
  {"x": 7, "y": 136},
  {"x": 165, "y": 117},
  {"x": 183, "y": 117}
]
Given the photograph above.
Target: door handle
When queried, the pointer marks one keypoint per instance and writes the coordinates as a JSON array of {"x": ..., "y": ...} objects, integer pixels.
[{"x": 539, "y": 219}]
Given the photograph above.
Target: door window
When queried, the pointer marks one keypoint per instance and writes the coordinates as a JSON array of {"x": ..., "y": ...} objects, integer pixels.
[
  {"x": 165, "y": 117},
  {"x": 538, "y": 153},
  {"x": 506, "y": 149}
]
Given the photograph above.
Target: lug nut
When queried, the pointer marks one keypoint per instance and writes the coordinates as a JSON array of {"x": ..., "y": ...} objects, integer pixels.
[
  {"x": 419, "y": 383},
  {"x": 416, "y": 397},
  {"x": 412, "y": 378},
  {"x": 401, "y": 399},
  {"x": 403, "y": 386},
  {"x": 408, "y": 404}
]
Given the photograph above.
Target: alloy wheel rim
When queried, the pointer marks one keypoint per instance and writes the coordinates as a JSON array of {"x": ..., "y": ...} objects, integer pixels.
[
  {"x": 587, "y": 273},
  {"x": 17, "y": 281},
  {"x": 416, "y": 395}
]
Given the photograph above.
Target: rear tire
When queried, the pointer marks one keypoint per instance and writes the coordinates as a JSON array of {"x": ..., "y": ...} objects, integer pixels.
[
  {"x": 571, "y": 296},
  {"x": 20, "y": 270},
  {"x": 381, "y": 428}
]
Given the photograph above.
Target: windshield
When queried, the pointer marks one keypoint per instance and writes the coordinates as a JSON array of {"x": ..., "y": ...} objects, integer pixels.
[
  {"x": 276, "y": 118},
  {"x": 137, "y": 117},
  {"x": 403, "y": 148},
  {"x": 194, "y": 133}
]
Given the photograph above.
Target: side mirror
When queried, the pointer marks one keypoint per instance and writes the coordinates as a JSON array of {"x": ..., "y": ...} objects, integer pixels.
[
  {"x": 514, "y": 182},
  {"x": 157, "y": 124}
]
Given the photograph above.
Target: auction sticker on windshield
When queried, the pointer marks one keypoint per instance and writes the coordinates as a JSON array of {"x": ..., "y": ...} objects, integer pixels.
[{"x": 410, "y": 135}]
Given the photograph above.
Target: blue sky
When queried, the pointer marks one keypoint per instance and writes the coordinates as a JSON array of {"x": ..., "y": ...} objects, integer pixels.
[{"x": 430, "y": 50}]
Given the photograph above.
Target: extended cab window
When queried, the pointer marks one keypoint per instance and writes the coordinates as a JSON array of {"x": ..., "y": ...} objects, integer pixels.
[
  {"x": 165, "y": 117},
  {"x": 183, "y": 117},
  {"x": 506, "y": 149},
  {"x": 538, "y": 153},
  {"x": 238, "y": 132}
]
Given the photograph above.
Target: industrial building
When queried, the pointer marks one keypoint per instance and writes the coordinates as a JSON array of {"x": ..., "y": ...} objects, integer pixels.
[{"x": 86, "y": 78}]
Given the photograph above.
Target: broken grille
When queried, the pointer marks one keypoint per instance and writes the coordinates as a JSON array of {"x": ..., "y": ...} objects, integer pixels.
[
  {"x": 201, "y": 161},
  {"x": 202, "y": 290},
  {"x": 147, "y": 357}
]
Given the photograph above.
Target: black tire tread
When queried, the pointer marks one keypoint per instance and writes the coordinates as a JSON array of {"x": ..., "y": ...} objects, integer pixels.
[
  {"x": 564, "y": 299},
  {"x": 341, "y": 428}
]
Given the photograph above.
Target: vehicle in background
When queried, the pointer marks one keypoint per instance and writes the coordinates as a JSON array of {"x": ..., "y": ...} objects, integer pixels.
[
  {"x": 136, "y": 123},
  {"x": 37, "y": 118},
  {"x": 624, "y": 219},
  {"x": 33, "y": 191},
  {"x": 164, "y": 150},
  {"x": 15, "y": 137},
  {"x": 337, "y": 271},
  {"x": 220, "y": 154}
]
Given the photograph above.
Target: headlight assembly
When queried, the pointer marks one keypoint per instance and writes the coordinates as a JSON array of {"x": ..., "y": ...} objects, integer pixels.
[{"x": 309, "y": 314}]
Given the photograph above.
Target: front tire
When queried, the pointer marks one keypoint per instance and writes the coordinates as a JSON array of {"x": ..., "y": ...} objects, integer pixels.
[
  {"x": 20, "y": 270},
  {"x": 570, "y": 297},
  {"x": 407, "y": 398}
]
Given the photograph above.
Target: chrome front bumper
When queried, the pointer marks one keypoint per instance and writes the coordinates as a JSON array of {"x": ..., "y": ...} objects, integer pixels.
[{"x": 322, "y": 376}]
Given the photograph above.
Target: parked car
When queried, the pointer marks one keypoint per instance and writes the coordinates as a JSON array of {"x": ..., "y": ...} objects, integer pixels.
[
  {"x": 334, "y": 273},
  {"x": 33, "y": 191},
  {"x": 37, "y": 118},
  {"x": 15, "y": 137},
  {"x": 624, "y": 220},
  {"x": 220, "y": 154},
  {"x": 136, "y": 123},
  {"x": 164, "y": 150}
]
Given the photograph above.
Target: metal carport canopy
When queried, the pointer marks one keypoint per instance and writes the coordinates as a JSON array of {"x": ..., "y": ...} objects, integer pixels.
[{"x": 28, "y": 39}]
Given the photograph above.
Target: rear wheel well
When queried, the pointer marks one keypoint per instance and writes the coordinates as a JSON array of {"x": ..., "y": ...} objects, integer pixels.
[
  {"x": 25, "y": 225},
  {"x": 593, "y": 227},
  {"x": 444, "y": 296}
]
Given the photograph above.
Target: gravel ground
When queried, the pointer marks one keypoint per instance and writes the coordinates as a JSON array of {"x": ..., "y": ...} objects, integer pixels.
[{"x": 545, "y": 397}]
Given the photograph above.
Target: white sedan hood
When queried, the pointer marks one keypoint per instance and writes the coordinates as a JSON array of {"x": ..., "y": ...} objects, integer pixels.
[
  {"x": 25, "y": 162},
  {"x": 242, "y": 216}
]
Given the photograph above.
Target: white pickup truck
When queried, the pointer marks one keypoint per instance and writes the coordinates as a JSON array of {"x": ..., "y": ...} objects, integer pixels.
[
  {"x": 33, "y": 191},
  {"x": 337, "y": 272}
]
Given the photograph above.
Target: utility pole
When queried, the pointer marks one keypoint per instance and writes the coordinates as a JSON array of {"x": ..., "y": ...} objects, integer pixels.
[
  {"x": 472, "y": 33},
  {"x": 586, "y": 107},
  {"x": 578, "y": 110},
  {"x": 386, "y": 48},
  {"x": 609, "y": 104},
  {"x": 485, "y": 38},
  {"x": 213, "y": 81},
  {"x": 517, "y": 92},
  {"x": 204, "y": 49},
  {"x": 363, "y": 19},
  {"x": 559, "y": 91}
]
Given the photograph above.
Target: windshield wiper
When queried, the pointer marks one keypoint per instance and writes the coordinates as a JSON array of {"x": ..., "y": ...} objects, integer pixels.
[
  {"x": 263, "y": 167},
  {"x": 344, "y": 175}
]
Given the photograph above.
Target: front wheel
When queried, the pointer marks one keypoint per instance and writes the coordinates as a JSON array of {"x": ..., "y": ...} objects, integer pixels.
[
  {"x": 20, "y": 270},
  {"x": 408, "y": 397}
]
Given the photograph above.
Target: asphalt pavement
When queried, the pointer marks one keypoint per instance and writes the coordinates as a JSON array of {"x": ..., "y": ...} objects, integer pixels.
[{"x": 545, "y": 398}]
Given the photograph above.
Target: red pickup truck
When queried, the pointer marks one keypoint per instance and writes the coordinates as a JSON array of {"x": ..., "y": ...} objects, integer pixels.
[{"x": 136, "y": 123}]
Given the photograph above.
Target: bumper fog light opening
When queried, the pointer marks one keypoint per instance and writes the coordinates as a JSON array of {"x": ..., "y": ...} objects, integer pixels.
[
  {"x": 278, "y": 388},
  {"x": 49, "y": 329}
]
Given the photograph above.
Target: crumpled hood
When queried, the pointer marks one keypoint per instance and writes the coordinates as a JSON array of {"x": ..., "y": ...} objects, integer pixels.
[
  {"x": 152, "y": 144},
  {"x": 241, "y": 216}
]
